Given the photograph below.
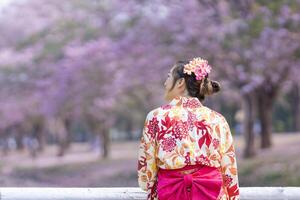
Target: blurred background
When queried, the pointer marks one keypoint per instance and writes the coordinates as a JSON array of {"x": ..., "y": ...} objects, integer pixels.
[{"x": 77, "y": 78}]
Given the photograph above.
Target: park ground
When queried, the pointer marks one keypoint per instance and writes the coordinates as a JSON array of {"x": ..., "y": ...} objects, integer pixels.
[{"x": 81, "y": 167}]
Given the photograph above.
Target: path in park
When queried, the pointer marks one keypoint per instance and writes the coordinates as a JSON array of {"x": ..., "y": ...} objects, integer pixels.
[{"x": 81, "y": 167}]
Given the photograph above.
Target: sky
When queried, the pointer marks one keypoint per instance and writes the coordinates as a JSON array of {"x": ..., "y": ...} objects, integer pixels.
[{"x": 4, "y": 2}]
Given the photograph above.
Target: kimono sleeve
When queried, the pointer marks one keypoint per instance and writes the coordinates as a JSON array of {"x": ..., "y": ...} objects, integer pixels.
[
  {"x": 147, "y": 168},
  {"x": 229, "y": 164}
]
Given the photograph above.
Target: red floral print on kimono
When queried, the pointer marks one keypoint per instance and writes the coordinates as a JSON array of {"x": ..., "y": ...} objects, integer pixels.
[{"x": 185, "y": 133}]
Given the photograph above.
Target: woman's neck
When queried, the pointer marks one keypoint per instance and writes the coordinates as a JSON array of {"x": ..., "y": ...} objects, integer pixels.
[{"x": 185, "y": 94}]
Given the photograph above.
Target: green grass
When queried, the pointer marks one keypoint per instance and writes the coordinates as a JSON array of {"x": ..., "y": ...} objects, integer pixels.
[{"x": 276, "y": 171}]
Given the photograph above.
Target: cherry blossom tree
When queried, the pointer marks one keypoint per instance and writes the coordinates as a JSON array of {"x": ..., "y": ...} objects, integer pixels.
[
  {"x": 263, "y": 53},
  {"x": 89, "y": 61}
]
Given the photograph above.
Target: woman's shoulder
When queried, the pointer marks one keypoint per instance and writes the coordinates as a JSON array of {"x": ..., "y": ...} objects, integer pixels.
[
  {"x": 161, "y": 111},
  {"x": 215, "y": 115},
  {"x": 157, "y": 112}
]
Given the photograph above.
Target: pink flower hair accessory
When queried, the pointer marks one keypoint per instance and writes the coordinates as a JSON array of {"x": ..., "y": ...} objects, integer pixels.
[{"x": 199, "y": 67}]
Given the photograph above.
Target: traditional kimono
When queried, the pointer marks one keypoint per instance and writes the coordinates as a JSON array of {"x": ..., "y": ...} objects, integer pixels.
[{"x": 186, "y": 152}]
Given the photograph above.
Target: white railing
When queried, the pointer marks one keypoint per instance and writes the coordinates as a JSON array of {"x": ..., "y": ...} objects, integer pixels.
[{"x": 41, "y": 193}]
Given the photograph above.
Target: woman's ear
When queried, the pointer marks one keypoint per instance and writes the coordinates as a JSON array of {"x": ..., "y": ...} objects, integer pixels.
[{"x": 181, "y": 83}]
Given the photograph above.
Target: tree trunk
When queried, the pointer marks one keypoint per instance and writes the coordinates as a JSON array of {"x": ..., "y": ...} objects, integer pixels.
[
  {"x": 129, "y": 127},
  {"x": 249, "y": 108},
  {"x": 102, "y": 129},
  {"x": 39, "y": 134},
  {"x": 19, "y": 140},
  {"x": 265, "y": 105},
  {"x": 5, "y": 147},
  {"x": 69, "y": 132},
  {"x": 62, "y": 147},
  {"x": 105, "y": 142},
  {"x": 41, "y": 137},
  {"x": 295, "y": 104},
  {"x": 61, "y": 132}
]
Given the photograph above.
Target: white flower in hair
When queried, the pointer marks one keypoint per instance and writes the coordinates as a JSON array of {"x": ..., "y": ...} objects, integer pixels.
[{"x": 199, "y": 67}]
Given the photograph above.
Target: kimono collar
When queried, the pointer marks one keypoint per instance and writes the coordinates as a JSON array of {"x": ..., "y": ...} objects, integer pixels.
[{"x": 185, "y": 101}]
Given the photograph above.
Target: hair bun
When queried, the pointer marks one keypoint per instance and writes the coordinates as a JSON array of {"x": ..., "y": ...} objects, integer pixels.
[
  {"x": 209, "y": 87},
  {"x": 216, "y": 86}
]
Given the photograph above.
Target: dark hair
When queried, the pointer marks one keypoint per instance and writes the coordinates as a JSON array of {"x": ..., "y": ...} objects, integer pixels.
[{"x": 195, "y": 88}]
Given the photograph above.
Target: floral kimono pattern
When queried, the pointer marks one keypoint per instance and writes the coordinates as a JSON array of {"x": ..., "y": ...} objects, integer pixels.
[{"x": 184, "y": 132}]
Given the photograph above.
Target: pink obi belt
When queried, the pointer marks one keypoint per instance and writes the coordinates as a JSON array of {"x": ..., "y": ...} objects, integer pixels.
[{"x": 192, "y": 182}]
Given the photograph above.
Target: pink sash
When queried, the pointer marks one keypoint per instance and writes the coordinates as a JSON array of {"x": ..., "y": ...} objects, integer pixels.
[{"x": 203, "y": 184}]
